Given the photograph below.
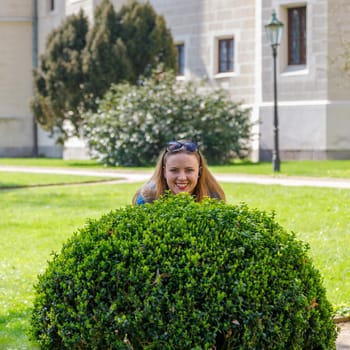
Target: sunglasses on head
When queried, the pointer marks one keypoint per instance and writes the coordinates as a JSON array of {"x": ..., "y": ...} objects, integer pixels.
[{"x": 175, "y": 146}]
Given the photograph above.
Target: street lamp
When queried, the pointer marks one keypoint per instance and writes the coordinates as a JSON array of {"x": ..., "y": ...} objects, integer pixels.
[{"x": 274, "y": 34}]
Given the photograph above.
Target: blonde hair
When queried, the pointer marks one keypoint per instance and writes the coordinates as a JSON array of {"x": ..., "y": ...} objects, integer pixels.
[{"x": 207, "y": 186}]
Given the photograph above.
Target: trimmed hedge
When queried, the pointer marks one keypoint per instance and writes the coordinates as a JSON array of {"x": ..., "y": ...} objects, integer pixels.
[{"x": 178, "y": 274}]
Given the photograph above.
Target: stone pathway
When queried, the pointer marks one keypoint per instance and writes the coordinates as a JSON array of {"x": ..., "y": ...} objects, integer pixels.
[
  {"x": 139, "y": 176},
  {"x": 343, "y": 341}
]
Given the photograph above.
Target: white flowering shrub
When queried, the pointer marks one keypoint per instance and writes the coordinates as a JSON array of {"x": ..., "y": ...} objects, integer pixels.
[{"x": 133, "y": 123}]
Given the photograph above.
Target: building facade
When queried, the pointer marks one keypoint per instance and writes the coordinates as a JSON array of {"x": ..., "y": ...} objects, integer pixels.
[
  {"x": 222, "y": 41},
  {"x": 16, "y": 62}
]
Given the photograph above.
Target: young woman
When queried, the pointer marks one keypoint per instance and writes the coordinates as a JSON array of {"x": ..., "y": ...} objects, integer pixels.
[{"x": 180, "y": 168}]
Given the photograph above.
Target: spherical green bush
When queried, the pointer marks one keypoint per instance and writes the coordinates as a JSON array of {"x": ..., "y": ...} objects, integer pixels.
[{"x": 178, "y": 274}]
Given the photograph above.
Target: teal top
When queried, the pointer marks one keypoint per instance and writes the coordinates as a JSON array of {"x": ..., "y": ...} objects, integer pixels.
[{"x": 151, "y": 186}]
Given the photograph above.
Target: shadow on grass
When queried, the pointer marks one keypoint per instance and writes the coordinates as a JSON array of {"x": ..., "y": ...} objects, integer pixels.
[
  {"x": 9, "y": 186},
  {"x": 84, "y": 164},
  {"x": 246, "y": 163}
]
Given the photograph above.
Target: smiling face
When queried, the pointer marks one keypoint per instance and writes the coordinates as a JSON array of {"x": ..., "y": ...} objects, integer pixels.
[{"x": 181, "y": 171}]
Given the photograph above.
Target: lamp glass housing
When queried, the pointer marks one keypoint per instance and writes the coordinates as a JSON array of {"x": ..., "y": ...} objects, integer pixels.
[{"x": 274, "y": 30}]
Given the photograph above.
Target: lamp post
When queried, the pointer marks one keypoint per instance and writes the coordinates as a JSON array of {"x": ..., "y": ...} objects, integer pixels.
[{"x": 274, "y": 33}]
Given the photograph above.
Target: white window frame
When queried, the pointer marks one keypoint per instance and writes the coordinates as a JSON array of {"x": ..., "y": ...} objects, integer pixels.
[
  {"x": 49, "y": 6},
  {"x": 291, "y": 70},
  {"x": 214, "y": 65},
  {"x": 184, "y": 57},
  {"x": 184, "y": 40}
]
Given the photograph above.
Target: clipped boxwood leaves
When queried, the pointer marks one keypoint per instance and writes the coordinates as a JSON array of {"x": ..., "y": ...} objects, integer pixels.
[{"x": 178, "y": 274}]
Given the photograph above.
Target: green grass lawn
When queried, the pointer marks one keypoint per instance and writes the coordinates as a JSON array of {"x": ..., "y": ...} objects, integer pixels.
[
  {"x": 329, "y": 168},
  {"x": 16, "y": 179},
  {"x": 50, "y": 162},
  {"x": 36, "y": 221}
]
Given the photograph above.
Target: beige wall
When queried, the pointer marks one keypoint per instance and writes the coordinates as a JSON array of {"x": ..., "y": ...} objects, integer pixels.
[
  {"x": 88, "y": 6},
  {"x": 339, "y": 50},
  {"x": 312, "y": 124},
  {"x": 199, "y": 24},
  {"x": 305, "y": 82},
  {"x": 48, "y": 20},
  {"x": 314, "y": 100},
  {"x": 15, "y": 65},
  {"x": 338, "y": 111},
  {"x": 16, "y": 123},
  {"x": 15, "y": 8},
  {"x": 309, "y": 118}
]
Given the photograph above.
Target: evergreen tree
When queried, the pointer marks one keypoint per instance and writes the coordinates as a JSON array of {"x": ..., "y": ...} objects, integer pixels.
[
  {"x": 148, "y": 41},
  {"x": 79, "y": 65},
  {"x": 59, "y": 81},
  {"x": 105, "y": 56}
]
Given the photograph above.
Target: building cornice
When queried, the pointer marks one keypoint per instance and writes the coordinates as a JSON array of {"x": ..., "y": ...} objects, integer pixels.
[
  {"x": 16, "y": 19},
  {"x": 307, "y": 103}
]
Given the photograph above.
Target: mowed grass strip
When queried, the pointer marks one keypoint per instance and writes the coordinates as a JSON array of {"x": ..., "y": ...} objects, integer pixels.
[
  {"x": 309, "y": 168},
  {"x": 19, "y": 179}
]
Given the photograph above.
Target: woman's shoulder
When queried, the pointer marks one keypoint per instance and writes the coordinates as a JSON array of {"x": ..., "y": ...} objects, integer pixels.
[
  {"x": 217, "y": 194},
  {"x": 140, "y": 200},
  {"x": 147, "y": 193},
  {"x": 214, "y": 195}
]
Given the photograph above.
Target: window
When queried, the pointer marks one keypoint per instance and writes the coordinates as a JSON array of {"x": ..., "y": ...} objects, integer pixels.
[
  {"x": 51, "y": 5},
  {"x": 180, "y": 59},
  {"x": 297, "y": 36},
  {"x": 225, "y": 55}
]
